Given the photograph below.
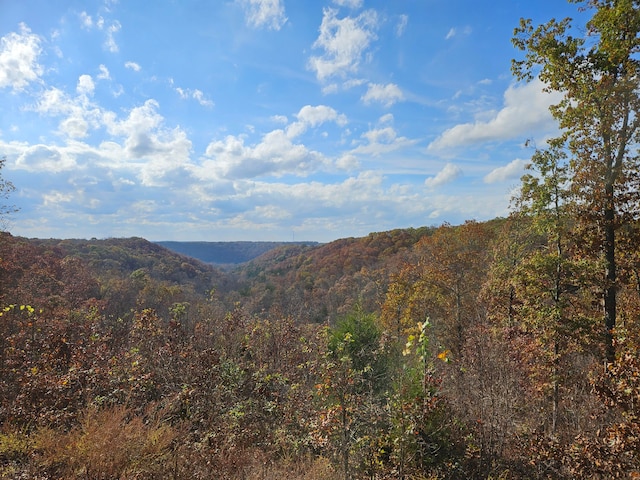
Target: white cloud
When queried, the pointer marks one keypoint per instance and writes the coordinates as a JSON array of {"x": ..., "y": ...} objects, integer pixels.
[
  {"x": 309, "y": 116},
  {"x": 54, "y": 198},
  {"x": 387, "y": 118},
  {"x": 110, "y": 42},
  {"x": 19, "y": 54},
  {"x": 385, "y": 94},
  {"x": 448, "y": 174},
  {"x": 150, "y": 150},
  {"x": 104, "y": 73},
  {"x": 45, "y": 158},
  {"x": 348, "y": 162},
  {"x": 514, "y": 169},
  {"x": 200, "y": 98},
  {"x": 275, "y": 155},
  {"x": 85, "y": 85},
  {"x": 132, "y": 66},
  {"x": 349, "y": 3},
  {"x": 453, "y": 32},
  {"x": 87, "y": 21},
  {"x": 525, "y": 112},
  {"x": 78, "y": 114},
  {"x": 344, "y": 42},
  {"x": 196, "y": 94},
  {"x": 382, "y": 140},
  {"x": 280, "y": 119},
  {"x": 264, "y": 13},
  {"x": 139, "y": 143}
]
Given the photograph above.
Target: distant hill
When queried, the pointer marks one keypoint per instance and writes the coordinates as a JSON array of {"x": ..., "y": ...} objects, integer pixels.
[{"x": 225, "y": 253}]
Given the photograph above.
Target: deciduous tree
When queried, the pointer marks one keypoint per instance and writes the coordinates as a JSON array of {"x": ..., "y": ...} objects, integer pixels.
[{"x": 597, "y": 75}]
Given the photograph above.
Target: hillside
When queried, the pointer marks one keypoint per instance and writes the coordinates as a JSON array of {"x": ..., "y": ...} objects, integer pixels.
[
  {"x": 318, "y": 283},
  {"x": 428, "y": 350},
  {"x": 225, "y": 253}
]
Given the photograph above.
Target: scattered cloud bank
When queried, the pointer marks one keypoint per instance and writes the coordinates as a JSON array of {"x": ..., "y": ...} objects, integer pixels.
[{"x": 108, "y": 142}]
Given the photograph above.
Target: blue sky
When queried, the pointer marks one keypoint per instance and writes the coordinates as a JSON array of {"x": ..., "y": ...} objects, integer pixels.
[{"x": 263, "y": 119}]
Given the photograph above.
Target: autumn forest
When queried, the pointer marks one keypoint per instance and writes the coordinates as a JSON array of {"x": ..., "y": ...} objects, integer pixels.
[{"x": 505, "y": 349}]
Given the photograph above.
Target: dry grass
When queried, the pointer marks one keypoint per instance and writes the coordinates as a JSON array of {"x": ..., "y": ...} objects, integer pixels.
[{"x": 109, "y": 443}]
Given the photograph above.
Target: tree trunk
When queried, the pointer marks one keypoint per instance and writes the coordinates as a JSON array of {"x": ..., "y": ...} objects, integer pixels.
[{"x": 610, "y": 272}]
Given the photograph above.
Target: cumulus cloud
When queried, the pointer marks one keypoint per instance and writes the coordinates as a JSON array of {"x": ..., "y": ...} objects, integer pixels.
[
  {"x": 348, "y": 161},
  {"x": 514, "y": 169},
  {"x": 525, "y": 111},
  {"x": 85, "y": 85},
  {"x": 78, "y": 113},
  {"x": 45, "y": 158},
  {"x": 139, "y": 143},
  {"x": 447, "y": 175},
  {"x": 275, "y": 155},
  {"x": 310, "y": 116},
  {"x": 19, "y": 54},
  {"x": 385, "y": 94},
  {"x": 264, "y": 13},
  {"x": 344, "y": 42},
  {"x": 150, "y": 149},
  {"x": 382, "y": 140}
]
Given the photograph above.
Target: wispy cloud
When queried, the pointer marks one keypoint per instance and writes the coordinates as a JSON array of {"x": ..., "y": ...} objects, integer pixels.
[
  {"x": 110, "y": 42},
  {"x": 454, "y": 32},
  {"x": 349, "y": 3},
  {"x": 264, "y": 13},
  {"x": 401, "y": 26},
  {"x": 133, "y": 66},
  {"x": 88, "y": 23},
  {"x": 195, "y": 94}
]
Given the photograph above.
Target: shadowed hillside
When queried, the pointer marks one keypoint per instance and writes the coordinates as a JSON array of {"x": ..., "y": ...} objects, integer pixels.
[{"x": 225, "y": 253}]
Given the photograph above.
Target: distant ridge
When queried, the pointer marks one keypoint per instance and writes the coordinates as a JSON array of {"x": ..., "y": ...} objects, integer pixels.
[{"x": 225, "y": 253}]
